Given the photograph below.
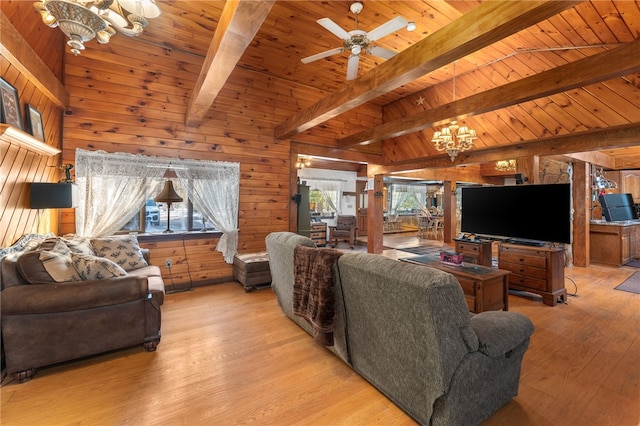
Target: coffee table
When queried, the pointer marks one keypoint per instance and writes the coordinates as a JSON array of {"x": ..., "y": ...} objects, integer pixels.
[{"x": 485, "y": 289}]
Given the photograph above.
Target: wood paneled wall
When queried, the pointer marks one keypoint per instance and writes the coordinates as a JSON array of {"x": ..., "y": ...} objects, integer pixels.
[
  {"x": 128, "y": 96},
  {"x": 18, "y": 166}
]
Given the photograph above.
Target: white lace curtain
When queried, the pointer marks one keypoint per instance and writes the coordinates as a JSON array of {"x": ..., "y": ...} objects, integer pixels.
[
  {"x": 112, "y": 187},
  {"x": 325, "y": 186},
  {"x": 399, "y": 193},
  {"x": 214, "y": 188}
]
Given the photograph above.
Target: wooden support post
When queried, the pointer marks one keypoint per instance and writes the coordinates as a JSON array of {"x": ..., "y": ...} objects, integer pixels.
[
  {"x": 581, "y": 213},
  {"x": 375, "y": 231}
]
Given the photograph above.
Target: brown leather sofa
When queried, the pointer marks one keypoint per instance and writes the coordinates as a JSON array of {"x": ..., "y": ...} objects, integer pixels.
[{"x": 48, "y": 323}]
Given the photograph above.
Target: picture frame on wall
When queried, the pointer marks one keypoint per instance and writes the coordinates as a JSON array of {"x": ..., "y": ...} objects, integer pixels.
[
  {"x": 34, "y": 122},
  {"x": 10, "y": 111}
]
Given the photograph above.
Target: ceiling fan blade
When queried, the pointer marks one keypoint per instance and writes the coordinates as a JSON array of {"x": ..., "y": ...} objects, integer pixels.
[
  {"x": 381, "y": 52},
  {"x": 387, "y": 28},
  {"x": 321, "y": 55},
  {"x": 352, "y": 67},
  {"x": 334, "y": 28}
]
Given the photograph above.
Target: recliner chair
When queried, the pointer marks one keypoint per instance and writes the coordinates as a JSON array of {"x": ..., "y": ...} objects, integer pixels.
[{"x": 346, "y": 229}]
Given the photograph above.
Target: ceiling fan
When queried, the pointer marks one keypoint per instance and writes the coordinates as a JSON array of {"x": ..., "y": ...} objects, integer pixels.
[{"x": 358, "y": 41}]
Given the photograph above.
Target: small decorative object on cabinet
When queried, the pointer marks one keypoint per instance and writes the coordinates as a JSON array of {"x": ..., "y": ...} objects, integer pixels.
[
  {"x": 319, "y": 233},
  {"x": 478, "y": 251},
  {"x": 537, "y": 270}
]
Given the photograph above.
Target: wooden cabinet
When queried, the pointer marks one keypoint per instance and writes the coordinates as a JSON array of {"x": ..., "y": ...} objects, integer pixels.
[
  {"x": 478, "y": 252},
  {"x": 614, "y": 243},
  {"x": 319, "y": 233},
  {"x": 630, "y": 183},
  {"x": 485, "y": 289},
  {"x": 537, "y": 270}
]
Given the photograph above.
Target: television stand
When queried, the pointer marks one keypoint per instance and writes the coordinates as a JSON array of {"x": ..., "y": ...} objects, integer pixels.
[{"x": 537, "y": 270}]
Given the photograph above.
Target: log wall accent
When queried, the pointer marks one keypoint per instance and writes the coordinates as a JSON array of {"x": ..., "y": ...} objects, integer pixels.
[{"x": 18, "y": 166}]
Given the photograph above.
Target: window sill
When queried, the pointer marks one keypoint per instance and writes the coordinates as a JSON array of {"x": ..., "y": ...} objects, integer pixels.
[{"x": 178, "y": 236}]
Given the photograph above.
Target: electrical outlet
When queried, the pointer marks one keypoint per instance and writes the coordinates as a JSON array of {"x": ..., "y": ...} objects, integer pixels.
[{"x": 168, "y": 263}]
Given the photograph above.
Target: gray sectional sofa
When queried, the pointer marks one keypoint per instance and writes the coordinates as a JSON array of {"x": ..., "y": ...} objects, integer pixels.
[{"x": 407, "y": 330}]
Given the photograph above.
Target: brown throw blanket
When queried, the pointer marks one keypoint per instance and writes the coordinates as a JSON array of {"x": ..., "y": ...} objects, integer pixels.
[{"x": 313, "y": 290}]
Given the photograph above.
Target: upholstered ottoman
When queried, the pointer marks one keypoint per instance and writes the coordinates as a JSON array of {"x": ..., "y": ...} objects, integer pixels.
[{"x": 252, "y": 270}]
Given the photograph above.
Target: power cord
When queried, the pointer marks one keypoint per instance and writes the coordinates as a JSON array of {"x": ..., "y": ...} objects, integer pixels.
[
  {"x": 575, "y": 293},
  {"x": 186, "y": 260}
]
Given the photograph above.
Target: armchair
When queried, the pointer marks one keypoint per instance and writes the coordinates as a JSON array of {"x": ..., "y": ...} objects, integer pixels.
[{"x": 346, "y": 229}]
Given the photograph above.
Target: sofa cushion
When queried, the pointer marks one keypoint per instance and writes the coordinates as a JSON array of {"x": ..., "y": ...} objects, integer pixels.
[
  {"x": 57, "y": 262},
  {"x": 96, "y": 268},
  {"x": 32, "y": 269},
  {"x": 123, "y": 250},
  {"x": 79, "y": 245}
]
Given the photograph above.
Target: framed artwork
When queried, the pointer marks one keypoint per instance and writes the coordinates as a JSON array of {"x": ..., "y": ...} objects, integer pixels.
[
  {"x": 34, "y": 122},
  {"x": 10, "y": 111}
]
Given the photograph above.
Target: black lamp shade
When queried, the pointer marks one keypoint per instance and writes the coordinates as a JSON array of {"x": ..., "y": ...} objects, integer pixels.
[{"x": 53, "y": 195}]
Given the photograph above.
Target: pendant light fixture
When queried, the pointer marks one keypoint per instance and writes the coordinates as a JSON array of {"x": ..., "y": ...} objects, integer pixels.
[{"x": 453, "y": 138}]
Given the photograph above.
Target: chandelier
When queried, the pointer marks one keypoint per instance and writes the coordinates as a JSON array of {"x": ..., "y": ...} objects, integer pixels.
[
  {"x": 506, "y": 165},
  {"x": 81, "y": 20},
  {"x": 453, "y": 138},
  {"x": 302, "y": 163}
]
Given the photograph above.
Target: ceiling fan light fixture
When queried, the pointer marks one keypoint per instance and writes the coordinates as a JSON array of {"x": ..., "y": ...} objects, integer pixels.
[{"x": 358, "y": 41}]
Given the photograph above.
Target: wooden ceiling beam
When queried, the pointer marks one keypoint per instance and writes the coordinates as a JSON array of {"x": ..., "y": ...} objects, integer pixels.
[
  {"x": 238, "y": 25},
  {"x": 335, "y": 153},
  {"x": 596, "y": 158},
  {"x": 620, "y": 61},
  {"x": 17, "y": 51},
  {"x": 486, "y": 24},
  {"x": 592, "y": 140}
]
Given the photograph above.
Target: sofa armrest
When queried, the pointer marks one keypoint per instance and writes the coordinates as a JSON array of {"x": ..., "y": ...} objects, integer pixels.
[
  {"x": 65, "y": 297},
  {"x": 499, "y": 332}
]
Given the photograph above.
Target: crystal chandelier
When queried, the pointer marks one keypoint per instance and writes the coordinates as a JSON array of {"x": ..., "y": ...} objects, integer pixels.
[
  {"x": 453, "y": 138},
  {"x": 81, "y": 20},
  {"x": 506, "y": 165}
]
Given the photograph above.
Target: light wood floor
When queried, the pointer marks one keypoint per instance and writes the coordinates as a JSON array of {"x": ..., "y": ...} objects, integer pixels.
[{"x": 228, "y": 357}]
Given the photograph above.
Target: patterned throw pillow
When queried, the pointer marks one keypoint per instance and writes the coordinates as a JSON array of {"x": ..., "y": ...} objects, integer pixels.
[
  {"x": 91, "y": 267},
  {"x": 57, "y": 262},
  {"x": 123, "y": 250},
  {"x": 79, "y": 245}
]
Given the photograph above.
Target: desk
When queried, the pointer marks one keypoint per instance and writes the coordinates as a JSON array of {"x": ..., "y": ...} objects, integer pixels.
[{"x": 485, "y": 289}]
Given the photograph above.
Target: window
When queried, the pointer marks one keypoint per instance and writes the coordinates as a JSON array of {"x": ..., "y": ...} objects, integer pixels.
[
  {"x": 407, "y": 198},
  {"x": 152, "y": 217},
  {"x": 323, "y": 202},
  {"x": 113, "y": 186}
]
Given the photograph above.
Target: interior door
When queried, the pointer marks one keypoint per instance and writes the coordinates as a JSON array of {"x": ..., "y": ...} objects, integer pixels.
[{"x": 361, "y": 207}]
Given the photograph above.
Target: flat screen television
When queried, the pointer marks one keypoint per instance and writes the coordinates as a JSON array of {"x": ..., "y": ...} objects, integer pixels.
[{"x": 526, "y": 214}]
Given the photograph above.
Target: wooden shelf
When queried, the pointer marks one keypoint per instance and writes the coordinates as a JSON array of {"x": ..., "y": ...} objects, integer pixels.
[{"x": 24, "y": 140}]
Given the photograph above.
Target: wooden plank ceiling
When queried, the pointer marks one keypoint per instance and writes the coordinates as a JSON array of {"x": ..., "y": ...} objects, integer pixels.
[{"x": 525, "y": 72}]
